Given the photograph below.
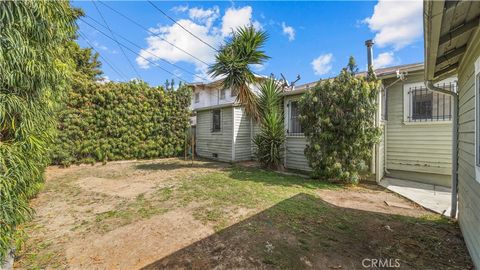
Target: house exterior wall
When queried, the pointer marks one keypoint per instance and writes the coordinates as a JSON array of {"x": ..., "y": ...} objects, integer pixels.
[
  {"x": 242, "y": 135},
  {"x": 220, "y": 143},
  {"x": 468, "y": 185},
  {"x": 420, "y": 151},
  {"x": 210, "y": 97},
  {"x": 294, "y": 156}
]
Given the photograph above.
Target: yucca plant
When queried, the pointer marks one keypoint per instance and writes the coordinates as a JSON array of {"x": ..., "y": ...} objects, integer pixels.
[
  {"x": 33, "y": 75},
  {"x": 269, "y": 142},
  {"x": 233, "y": 62}
]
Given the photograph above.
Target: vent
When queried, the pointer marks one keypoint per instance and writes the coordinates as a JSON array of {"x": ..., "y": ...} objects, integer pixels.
[{"x": 214, "y": 155}]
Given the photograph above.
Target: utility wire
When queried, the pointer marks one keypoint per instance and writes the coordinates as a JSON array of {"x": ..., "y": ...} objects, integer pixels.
[
  {"x": 152, "y": 33},
  {"x": 173, "y": 20},
  {"x": 139, "y": 47},
  {"x": 120, "y": 74},
  {"x": 115, "y": 39},
  {"x": 153, "y": 63}
]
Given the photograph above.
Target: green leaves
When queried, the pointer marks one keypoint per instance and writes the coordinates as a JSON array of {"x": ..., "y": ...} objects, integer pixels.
[
  {"x": 270, "y": 140},
  {"x": 233, "y": 62},
  {"x": 116, "y": 121},
  {"x": 338, "y": 119}
]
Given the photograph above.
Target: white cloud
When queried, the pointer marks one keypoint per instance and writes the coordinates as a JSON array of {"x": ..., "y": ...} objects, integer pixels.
[
  {"x": 205, "y": 24},
  {"x": 396, "y": 23},
  {"x": 322, "y": 64},
  {"x": 384, "y": 59},
  {"x": 288, "y": 31},
  {"x": 259, "y": 67},
  {"x": 180, "y": 9},
  {"x": 235, "y": 18}
]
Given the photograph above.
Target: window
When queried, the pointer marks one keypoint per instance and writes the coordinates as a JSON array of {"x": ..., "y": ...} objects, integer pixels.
[
  {"x": 477, "y": 120},
  {"x": 216, "y": 120},
  {"x": 294, "y": 127},
  {"x": 423, "y": 105},
  {"x": 233, "y": 93},
  {"x": 222, "y": 93},
  {"x": 197, "y": 97}
]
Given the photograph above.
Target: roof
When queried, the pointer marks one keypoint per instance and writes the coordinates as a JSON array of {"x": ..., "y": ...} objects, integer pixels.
[
  {"x": 448, "y": 27},
  {"x": 218, "y": 83},
  {"x": 382, "y": 73}
]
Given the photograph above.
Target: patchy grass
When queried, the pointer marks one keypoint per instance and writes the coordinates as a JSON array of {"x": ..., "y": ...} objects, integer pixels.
[{"x": 255, "y": 218}]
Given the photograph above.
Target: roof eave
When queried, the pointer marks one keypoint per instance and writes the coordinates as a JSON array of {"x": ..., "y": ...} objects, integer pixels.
[{"x": 432, "y": 22}]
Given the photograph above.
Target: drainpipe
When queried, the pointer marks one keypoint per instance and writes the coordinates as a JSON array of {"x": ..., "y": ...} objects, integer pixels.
[{"x": 432, "y": 87}]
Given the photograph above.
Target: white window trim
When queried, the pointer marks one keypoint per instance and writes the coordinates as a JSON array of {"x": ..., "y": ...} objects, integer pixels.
[
  {"x": 406, "y": 105},
  {"x": 195, "y": 97},
  {"x": 287, "y": 122},
  {"x": 477, "y": 119}
]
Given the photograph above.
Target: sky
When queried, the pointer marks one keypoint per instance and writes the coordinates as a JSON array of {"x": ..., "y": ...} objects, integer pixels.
[{"x": 310, "y": 39}]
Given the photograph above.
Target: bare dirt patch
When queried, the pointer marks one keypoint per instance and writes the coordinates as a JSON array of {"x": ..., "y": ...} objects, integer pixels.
[{"x": 174, "y": 214}]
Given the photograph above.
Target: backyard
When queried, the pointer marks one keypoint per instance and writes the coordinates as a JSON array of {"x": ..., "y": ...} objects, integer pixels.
[{"x": 170, "y": 213}]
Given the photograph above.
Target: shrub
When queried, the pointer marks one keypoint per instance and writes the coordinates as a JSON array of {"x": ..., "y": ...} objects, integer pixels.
[
  {"x": 270, "y": 140},
  {"x": 116, "y": 121},
  {"x": 33, "y": 77},
  {"x": 338, "y": 120}
]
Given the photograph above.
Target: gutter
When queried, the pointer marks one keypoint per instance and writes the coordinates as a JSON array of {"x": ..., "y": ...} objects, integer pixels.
[{"x": 430, "y": 86}]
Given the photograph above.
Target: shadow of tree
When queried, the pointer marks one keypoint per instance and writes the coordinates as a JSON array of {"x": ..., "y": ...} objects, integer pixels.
[
  {"x": 180, "y": 164},
  {"x": 307, "y": 232}
]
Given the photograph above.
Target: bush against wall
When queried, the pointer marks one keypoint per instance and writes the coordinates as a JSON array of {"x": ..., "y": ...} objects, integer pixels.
[
  {"x": 338, "y": 117},
  {"x": 116, "y": 121},
  {"x": 34, "y": 69}
]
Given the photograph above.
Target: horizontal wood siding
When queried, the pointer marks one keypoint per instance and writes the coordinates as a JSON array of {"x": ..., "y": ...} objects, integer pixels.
[
  {"x": 419, "y": 148},
  {"x": 296, "y": 158},
  {"x": 242, "y": 135},
  {"x": 255, "y": 131},
  {"x": 209, "y": 142},
  {"x": 468, "y": 187},
  {"x": 381, "y": 154}
]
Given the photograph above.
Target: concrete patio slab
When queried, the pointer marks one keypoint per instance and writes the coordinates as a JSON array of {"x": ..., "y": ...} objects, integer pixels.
[{"x": 433, "y": 197}]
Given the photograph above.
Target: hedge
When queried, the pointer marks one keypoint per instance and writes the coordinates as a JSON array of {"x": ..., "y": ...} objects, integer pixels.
[{"x": 117, "y": 121}]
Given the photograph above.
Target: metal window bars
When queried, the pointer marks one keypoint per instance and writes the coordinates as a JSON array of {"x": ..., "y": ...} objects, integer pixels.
[
  {"x": 429, "y": 106},
  {"x": 295, "y": 128}
]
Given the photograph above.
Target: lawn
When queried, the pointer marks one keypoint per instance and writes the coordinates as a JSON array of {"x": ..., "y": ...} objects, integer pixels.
[{"x": 174, "y": 214}]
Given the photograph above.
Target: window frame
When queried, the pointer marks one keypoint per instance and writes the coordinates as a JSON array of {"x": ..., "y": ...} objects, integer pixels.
[
  {"x": 407, "y": 105},
  {"x": 197, "y": 97},
  {"x": 223, "y": 94},
  {"x": 289, "y": 120},
  {"x": 213, "y": 130},
  {"x": 477, "y": 119}
]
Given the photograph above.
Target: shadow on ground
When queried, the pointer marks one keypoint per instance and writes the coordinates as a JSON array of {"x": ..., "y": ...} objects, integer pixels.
[
  {"x": 306, "y": 232},
  {"x": 180, "y": 164}
]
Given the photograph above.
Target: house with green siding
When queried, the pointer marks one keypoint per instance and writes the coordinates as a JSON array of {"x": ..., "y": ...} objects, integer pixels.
[{"x": 452, "y": 47}]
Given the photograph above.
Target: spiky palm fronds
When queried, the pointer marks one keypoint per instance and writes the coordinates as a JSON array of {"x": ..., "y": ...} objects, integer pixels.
[
  {"x": 270, "y": 140},
  {"x": 233, "y": 62}
]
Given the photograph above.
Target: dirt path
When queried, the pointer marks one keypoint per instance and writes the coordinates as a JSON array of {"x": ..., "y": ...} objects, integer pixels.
[{"x": 171, "y": 214}]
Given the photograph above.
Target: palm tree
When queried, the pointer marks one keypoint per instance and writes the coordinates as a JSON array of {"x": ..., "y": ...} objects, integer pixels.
[{"x": 233, "y": 61}]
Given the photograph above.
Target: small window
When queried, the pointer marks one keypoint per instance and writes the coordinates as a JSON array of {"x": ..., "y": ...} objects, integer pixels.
[
  {"x": 222, "y": 94},
  {"x": 233, "y": 93},
  {"x": 197, "y": 97},
  {"x": 216, "y": 120},
  {"x": 294, "y": 129},
  {"x": 423, "y": 105}
]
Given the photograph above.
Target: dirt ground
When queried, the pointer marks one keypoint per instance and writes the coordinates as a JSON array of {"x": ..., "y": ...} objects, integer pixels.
[{"x": 173, "y": 214}]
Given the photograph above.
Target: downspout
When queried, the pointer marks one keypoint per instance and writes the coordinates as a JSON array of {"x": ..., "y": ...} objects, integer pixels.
[{"x": 432, "y": 87}]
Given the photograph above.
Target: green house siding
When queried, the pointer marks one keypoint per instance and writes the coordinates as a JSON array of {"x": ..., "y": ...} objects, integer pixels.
[
  {"x": 420, "y": 152},
  {"x": 209, "y": 143},
  {"x": 468, "y": 187}
]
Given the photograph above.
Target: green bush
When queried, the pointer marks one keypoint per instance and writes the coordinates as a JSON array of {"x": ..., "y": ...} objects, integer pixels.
[
  {"x": 270, "y": 140},
  {"x": 34, "y": 69},
  {"x": 117, "y": 121},
  {"x": 338, "y": 120}
]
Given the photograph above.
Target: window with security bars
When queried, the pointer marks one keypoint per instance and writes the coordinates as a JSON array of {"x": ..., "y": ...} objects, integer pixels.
[
  {"x": 428, "y": 106},
  {"x": 216, "y": 120},
  {"x": 294, "y": 127}
]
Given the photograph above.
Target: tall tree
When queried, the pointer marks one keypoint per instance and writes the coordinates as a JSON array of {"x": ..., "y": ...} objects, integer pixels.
[
  {"x": 34, "y": 71},
  {"x": 233, "y": 62}
]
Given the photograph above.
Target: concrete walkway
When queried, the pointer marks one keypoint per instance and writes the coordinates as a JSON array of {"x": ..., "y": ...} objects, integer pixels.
[{"x": 432, "y": 197}]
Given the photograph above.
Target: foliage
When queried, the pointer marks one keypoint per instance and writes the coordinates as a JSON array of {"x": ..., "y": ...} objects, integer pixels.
[
  {"x": 233, "y": 61},
  {"x": 116, "y": 121},
  {"x": 272, "y": 136},
  {"x": 338, "y": 120},
  {"x": 34, "y": 69}
]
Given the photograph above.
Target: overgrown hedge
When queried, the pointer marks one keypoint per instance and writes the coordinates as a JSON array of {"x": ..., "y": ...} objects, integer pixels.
[{"x": 116, "y": 121}]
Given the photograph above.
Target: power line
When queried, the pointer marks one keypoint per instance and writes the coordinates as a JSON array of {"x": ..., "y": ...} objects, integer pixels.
[
  {"x": 153, "y": 63},
  {"x": 173, "y": 20},
  {"x": 152, "y": 33},
  {"x": 103, "y": 58},
  {"x": 139, "y": 47},
  {"x": 115, "y": 39}
]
